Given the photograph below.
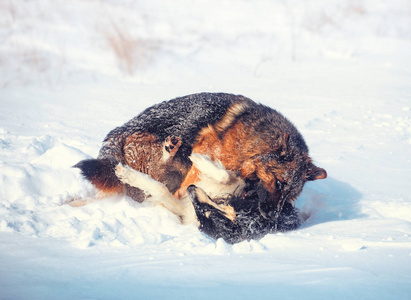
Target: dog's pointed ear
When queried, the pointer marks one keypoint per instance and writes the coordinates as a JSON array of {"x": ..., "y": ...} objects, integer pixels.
[
  {"x": 315, "y": 173},
  {"x": 281, "y": 144},
  {"x": 248, "y": 169}
]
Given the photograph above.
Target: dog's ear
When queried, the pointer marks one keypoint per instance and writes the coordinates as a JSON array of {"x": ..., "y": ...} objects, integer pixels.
[
  {"x": 281, "y": 144},
  {"x": 248, "y": 169},
  {"x": 314, "y": 173}
]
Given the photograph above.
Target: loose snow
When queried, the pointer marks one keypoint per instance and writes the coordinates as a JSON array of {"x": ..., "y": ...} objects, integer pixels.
[{"x": 73, "y": 70}]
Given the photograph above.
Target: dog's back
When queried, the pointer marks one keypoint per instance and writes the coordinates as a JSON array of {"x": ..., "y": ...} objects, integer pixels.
[
  {"x": 139, "y": 142},
  {"x": 252, "y": 140},
  {"x": 183, "y": 117}
]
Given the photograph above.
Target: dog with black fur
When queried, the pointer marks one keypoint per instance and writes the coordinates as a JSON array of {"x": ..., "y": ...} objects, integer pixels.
[{"x": 251, "y": 142}]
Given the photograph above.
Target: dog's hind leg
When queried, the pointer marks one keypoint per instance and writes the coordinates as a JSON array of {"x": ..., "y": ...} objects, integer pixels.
[
  {"x": 214, "y": 178},
  {"x": 158, "y": 191},
  {"x": 79, "y": 202},
  {"x": 211, "y": 169}
]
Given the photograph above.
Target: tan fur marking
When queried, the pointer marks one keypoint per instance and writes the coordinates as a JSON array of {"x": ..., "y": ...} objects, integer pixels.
[
  {"x": 230, "y": 117},
  {"x": 226, "y": 210},
  {"x": 240, "y": 149},
  {"x": 141, "y": 151},
  {"x": 226, "y": 151},
  {"x": 191, "y": 178},
  {"x": 248, "y": 169},
  {"x": 102, "y": 186}
]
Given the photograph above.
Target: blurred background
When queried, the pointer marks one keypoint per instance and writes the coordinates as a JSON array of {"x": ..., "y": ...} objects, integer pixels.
[{"x": 57, "y": 42}]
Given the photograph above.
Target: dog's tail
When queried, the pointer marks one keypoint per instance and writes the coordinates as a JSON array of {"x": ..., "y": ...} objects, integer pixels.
[{"x": 101, "y": 173}]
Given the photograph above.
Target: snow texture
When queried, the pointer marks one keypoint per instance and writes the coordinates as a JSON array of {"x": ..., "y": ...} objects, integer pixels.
[{"x": 71, "y": 71}]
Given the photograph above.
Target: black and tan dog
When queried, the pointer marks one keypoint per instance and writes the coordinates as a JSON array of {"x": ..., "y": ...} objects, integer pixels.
[
  {"x": 248, "y": 224},
  {"x": 251, "y": 140},
  {"x": 230, "y": 209}
]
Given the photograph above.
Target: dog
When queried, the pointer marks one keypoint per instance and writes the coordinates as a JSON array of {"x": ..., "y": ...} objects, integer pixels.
[
  {"x": 230, "y": 209},
  {"x": 248, "y": 222},
  {"x": 255, "y": 142}
]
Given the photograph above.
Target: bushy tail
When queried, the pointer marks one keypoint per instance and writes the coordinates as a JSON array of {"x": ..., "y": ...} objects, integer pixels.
[{"x": 101, "y": 173}]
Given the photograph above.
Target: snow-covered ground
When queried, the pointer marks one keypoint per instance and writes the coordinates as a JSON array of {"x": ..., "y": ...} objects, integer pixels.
[{"x": 70, "y": 71}]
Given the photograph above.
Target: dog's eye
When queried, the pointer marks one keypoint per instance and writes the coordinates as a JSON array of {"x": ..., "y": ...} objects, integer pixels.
[{"x": 278, "y": 185}]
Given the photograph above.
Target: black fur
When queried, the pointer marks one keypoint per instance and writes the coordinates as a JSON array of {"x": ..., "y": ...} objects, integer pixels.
[
  {"x": 249, "y": 222},
  {"x": 272, "y": 144},
  {"x": 183, "y": 117},
  {"x": 101, "y": 170}
]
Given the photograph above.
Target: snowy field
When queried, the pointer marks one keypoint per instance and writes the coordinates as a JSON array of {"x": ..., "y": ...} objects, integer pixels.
[{"x": 70, "y": 71}]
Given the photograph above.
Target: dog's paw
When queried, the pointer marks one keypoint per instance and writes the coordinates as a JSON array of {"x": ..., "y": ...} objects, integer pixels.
[
  {"x": 172, "y": 144},
  {"x": 124, "y": 173}
]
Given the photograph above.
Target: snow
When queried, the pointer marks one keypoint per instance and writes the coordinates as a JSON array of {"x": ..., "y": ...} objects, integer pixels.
[{"x": 72, "y": 71}]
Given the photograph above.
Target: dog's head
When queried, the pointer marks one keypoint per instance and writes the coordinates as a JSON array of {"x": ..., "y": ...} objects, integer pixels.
[{"x": 282, "y": 172}]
